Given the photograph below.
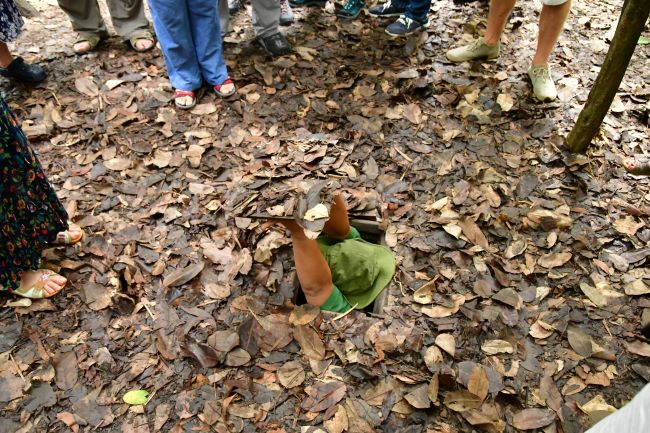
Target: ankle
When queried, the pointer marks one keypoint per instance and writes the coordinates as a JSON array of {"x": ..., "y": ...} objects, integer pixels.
[
  {"x": 491, "y": 40},
  {"x": 539, "y": 62}
]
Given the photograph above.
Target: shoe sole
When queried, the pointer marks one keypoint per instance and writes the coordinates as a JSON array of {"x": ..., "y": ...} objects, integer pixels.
[
  {"x": 286, "y": 22},
  {"x": 385, "y": 15},
  {"x": 403, "y": 35},
  {"x": 472, "y": 59}
]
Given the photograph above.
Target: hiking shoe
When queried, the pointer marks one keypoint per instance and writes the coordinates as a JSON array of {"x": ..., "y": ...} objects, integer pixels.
[
  {"x": 386, "y": 10},
  {"x": 476, "y": 50},
  {"x": 20, "y": 70},
  {"x": 351, "y": 9},
  {"x": 286, "y": 14},
  {"x": 234, "y": 6},
  {"x": 405, "y": 26},
  {"x": 543, "y": 85},
  {"x": 305, "y": 3},
  {"x": 275, "y": 45}
]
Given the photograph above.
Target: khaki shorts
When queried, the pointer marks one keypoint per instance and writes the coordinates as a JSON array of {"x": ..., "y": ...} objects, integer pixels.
[{"x": 554, "y": 2}]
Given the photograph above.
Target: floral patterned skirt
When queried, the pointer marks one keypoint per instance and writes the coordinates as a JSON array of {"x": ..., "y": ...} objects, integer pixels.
[
  {"x": 10, "y": 21},
  {"x": 31, "y": 215}
]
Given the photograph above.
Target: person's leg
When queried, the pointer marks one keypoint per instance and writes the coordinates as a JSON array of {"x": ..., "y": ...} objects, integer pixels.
[
  {"x": 486, "y": 47},
  {"x": 497, "y": 17},
  {"x": 16, "y": 68},
  {"x": 5, "y": 55},
  {"x": 311, "y": 267},
  {"x": 338, "y": 225},
  {"x": 551, "y": 23},
  {"x": 206, "y": 33},
  {"x": 418, "y": 10},
  {"x": 130, "y": 22},
  {"x": 172, "y": 25},
  {"x": 86, "y": 19},
  {"x": 266, "y": 19}
]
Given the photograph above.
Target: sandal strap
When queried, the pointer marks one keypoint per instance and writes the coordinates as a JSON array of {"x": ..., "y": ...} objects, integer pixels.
[
  {"x": 37, "y": 290},
  {"x": 145, "y": 34},
  {"x": 181, "y": 93},
  {"x": 65, "y": 238}
]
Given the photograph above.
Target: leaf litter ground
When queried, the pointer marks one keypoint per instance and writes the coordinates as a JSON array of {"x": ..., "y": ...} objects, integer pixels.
[{"x": 522, "y": 279}]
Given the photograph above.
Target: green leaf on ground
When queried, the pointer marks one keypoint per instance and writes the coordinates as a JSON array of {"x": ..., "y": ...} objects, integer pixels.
[{"x": 138, "y": 396}]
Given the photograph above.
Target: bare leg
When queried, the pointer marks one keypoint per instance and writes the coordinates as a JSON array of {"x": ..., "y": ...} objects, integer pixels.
[
  {"x": 313, "y": 271},
  {"x": 5, "y": 56},
  {"x": 499, "y": 11},
  {"x": 338, "y": 226},
  {"x": 551, "y": 23}
]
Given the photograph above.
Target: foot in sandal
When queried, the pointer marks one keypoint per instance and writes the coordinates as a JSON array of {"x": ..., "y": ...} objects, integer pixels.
[
  {"x": 185, "y": 99},
  {"x": 225, "y": 89},
  {"x": 86, "y": 43},
  {"x": 142, "y": 42},
  {"x": 40, "y": 284},
  {"x": 72, "y": 236}
]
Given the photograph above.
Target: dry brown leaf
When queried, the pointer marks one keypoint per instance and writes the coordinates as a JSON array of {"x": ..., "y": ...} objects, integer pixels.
[
  {"x": 310, "y": 343},
  {"x": 291, "y": 374},
  {"x": 339, "y": 422},
  {"x": 494, "y": 347},
  {"x": 447, "y": 343},
  {"x": 553, "y": 260},
  {"x": 529, "y": 419},
  {"x": 479, "y": 383},
  {"x": 473, "y": 233},
  {"x": 460, "y": 401},
  {"x": 638, "y": 348}
]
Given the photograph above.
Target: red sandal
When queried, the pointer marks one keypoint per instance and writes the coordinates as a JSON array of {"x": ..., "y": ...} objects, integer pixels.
[
  {"x": 217, "y": 88},
  {"x": 183, "y": 93}
]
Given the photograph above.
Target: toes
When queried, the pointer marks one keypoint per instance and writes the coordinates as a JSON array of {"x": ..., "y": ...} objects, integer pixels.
[
  {"x": 143, "y": 44},
  {"x": 53, "y": 286},
  {"x": 82, "y": 47}
]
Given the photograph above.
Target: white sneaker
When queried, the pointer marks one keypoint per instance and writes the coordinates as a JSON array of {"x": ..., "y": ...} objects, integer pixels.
[
  {"x": 543, "y": 85},
  {"x": 476, "y": 50}
]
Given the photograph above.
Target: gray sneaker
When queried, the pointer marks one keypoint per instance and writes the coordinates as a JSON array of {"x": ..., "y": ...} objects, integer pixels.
[
  {"x": 286, "y": 14},
  {"x": 543, "y": 85},
  {"x": 476, "y": 50}
]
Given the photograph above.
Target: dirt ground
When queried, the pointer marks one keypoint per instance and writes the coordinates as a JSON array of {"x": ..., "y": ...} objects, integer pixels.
[{"x": 522, "y": 281}]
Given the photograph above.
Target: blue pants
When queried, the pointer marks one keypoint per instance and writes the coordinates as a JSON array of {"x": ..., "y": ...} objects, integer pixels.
[
  {"x": 190, "y": 38},
  {"x": 417, "y": 10}
]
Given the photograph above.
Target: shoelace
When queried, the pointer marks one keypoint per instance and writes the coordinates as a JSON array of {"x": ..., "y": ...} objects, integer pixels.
[
  {"x": 386, "y": 6},
  {"x": 542, "y": 73},
  {"x": 406, "y": 21}
]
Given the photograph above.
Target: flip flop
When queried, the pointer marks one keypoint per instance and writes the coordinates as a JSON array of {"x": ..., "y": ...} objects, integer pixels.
[
  {"x": 92, "y": 39},
  {"x": 217, "y": 88},
  {"x": 37, "y": 290},
  {"x": 142, "y": 36},
  {"x": 65, "y": 238}
]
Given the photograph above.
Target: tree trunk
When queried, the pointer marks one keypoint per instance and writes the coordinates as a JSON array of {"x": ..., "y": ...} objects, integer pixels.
[{"x": 632, "y": 22}]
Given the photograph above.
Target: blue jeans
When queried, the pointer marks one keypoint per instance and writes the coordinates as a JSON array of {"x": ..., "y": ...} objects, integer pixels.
[
  {"x": 190, "y": 38},
  {"x": 414, "y": 9}
]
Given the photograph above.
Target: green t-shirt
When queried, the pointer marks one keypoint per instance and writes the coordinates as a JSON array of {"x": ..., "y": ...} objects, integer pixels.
[{"x": 360, "y": 270}]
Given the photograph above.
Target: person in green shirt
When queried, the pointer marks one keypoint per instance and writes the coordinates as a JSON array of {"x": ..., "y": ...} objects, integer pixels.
[{"x": 339, "y": 271}]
